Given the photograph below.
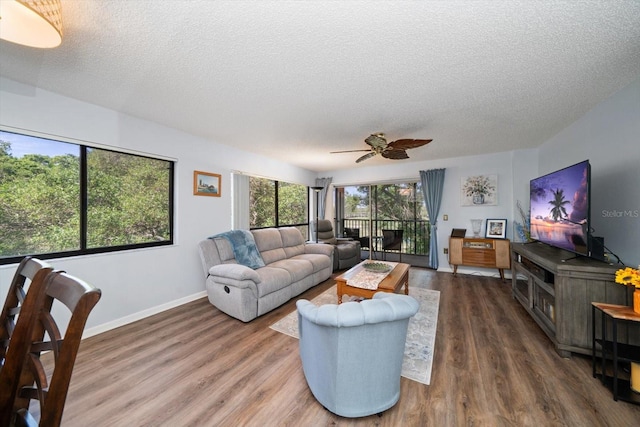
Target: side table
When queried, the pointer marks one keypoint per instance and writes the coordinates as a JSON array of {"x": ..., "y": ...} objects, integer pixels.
[{"x": 618, "y": 352}]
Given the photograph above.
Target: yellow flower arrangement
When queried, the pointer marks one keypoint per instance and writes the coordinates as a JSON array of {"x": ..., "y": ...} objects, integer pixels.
[{"x": 629, "y": 277}]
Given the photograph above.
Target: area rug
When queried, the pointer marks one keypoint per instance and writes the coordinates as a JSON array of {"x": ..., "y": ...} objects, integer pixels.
[{"x": 421, "y": 334}]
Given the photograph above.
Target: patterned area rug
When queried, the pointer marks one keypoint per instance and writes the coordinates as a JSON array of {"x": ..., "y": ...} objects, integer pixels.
[{"x": 421, "y": 335}]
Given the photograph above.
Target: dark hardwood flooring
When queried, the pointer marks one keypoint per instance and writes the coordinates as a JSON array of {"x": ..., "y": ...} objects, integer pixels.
[{"x": 195, "y": 366}]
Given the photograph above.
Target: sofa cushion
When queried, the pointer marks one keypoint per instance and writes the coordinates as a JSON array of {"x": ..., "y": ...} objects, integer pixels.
[
  {"x": 269, "y": 243},
  {"x": 298, "y": 268},
  {"x": 292, "y": 241},
  {"x": 325, "y": 231},
  {"x": 225, "y": 250},
  {"x": 272, "y": 279},
  {"x": 318, "y": 261}
]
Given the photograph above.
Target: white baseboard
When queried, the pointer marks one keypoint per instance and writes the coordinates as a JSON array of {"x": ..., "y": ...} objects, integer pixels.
[
  {"x": 140, "y": 315},
  {"x": 471, "y": 271}
]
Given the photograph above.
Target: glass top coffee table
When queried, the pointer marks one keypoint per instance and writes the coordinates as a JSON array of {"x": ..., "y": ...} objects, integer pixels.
[{"x": 393, "y": 282}]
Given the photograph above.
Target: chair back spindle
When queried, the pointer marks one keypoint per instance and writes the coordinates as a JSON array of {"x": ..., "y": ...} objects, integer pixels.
[
  {"x": 45, "y": 335},
  {"x": 23, "y": 277}
]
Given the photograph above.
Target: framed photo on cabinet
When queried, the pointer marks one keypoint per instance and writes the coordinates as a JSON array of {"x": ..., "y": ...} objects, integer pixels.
[{"x": 496, "y": 229}]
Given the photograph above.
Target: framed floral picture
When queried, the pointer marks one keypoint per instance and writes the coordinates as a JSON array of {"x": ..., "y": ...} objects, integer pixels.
[
  {"x": 206, "y": 184},
  {"x": 479, "y": 190},
  {"x": 496, "y": 229}
]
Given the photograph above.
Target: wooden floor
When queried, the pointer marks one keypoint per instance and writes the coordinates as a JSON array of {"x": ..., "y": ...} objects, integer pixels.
[{"x": 194, "y": 366}]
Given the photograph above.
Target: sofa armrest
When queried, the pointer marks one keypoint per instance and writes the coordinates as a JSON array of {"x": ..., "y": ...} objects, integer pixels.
[
  {"x": 234, "y": 272},
  {"x": 319, "y": 248},
  {"x": 345, "y": 239}
]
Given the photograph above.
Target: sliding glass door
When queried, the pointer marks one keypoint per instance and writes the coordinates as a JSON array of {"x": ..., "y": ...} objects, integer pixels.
[{"x": 396, "y": 206}]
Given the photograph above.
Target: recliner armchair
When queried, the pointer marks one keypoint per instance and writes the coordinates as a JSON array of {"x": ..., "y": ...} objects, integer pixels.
[
  {"x": 352, "y": 353},
  {"x": 347, "y": 251}
]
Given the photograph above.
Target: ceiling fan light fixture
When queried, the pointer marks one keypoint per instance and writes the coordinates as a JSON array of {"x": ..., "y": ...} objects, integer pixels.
[{"x": 34, "y": 23}]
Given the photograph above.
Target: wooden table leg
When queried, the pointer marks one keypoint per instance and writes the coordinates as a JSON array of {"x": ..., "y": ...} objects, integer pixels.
[{"x": 405, "y": 279}]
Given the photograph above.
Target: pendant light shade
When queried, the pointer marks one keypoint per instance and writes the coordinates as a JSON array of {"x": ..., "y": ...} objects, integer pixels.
[{"x": 35, "y": 23}]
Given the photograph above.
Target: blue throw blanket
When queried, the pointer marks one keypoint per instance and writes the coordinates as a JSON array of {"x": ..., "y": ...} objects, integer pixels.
[{"x": 244, "y": 247}]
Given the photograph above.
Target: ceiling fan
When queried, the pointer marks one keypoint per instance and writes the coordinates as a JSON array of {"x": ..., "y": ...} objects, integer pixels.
[{"x": 395, "y": 150}]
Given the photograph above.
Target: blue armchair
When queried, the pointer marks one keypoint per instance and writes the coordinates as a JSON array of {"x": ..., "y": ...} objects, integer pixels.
[{"x": 352, "y": 353}]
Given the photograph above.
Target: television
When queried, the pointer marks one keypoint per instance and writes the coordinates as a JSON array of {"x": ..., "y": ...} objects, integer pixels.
[{"x": 560, "y": 208}]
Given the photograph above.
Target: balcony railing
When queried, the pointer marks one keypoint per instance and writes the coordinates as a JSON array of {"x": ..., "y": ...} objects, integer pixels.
[{"x": 415, "y": 239}]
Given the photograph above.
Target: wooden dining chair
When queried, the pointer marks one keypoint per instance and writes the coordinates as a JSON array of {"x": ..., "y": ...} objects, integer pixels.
[
  {"x": 25, "y": 274},
  {"x": 33, "y": 382},
  {"x": 19, "y": 344}
]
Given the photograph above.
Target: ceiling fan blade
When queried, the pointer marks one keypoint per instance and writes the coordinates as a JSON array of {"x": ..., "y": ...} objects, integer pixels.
[
  {"x": 366, "y": 156},
  {"x": 376, "y": 140},
  {"x": 347, "y": 151},
  {"x": 404, "y": 144},
  {"x": 395, "y": 154}
]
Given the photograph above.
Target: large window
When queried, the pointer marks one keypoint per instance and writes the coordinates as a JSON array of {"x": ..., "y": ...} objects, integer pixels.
[
  {"x": 60, "y": 199},
  {"x": 398, "y": 206},
  {"x": 278, "y": 204}
]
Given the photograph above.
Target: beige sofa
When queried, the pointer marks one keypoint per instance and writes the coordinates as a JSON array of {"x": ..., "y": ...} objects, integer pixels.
[{"x": 291, "y": 266}]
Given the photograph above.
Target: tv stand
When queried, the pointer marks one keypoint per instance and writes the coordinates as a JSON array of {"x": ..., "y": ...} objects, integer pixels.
[{"x": 557, "y": 289}]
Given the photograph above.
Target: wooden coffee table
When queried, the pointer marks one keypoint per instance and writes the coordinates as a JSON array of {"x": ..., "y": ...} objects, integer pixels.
[{"x": 398, "y": 277}]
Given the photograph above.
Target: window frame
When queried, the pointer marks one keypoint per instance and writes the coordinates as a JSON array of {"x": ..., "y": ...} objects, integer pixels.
[
  {"x": 420, "y": 222},
  {"x": 276, "y": 188},
  {"x": 83, "y": 200}
]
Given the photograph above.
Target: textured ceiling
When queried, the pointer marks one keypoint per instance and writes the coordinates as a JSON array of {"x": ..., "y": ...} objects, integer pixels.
[{"x": 294, "y": 80}]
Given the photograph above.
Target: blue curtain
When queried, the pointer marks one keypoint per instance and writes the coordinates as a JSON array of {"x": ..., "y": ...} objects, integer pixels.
[
  {"x": 432, "y": 185},
  {"x": 324, "y": 183}
]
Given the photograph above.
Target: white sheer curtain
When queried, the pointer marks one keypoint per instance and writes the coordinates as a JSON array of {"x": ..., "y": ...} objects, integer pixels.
[{"x": 240, "y": 201}]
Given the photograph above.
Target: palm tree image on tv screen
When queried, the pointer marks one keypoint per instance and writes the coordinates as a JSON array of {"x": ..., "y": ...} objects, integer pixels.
[{"x": 560, "y": 208}]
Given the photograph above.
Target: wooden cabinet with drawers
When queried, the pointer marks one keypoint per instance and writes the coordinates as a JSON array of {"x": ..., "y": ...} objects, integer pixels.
[{"x": 478, "y": 252}]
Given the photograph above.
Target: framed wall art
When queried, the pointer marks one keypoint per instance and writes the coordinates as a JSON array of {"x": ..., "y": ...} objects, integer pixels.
[
  {"x": 206, "y": 184},
  {"x": 479, "y": 190},
  {"x": 496, "y": 229}
]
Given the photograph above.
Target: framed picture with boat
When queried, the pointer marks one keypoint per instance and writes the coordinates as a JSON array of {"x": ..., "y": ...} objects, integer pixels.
[{"x": 206, "y": 184}]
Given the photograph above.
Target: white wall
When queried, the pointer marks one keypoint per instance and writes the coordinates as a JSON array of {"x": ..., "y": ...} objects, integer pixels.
[
  {"x": 136, "y": 283},
  {"x": 140, "y": 282},
  {"x": 609, "y": 136}
]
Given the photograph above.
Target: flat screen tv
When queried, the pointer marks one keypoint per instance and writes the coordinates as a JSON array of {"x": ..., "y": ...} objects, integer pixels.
[{"x": 560, "y": 208}]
